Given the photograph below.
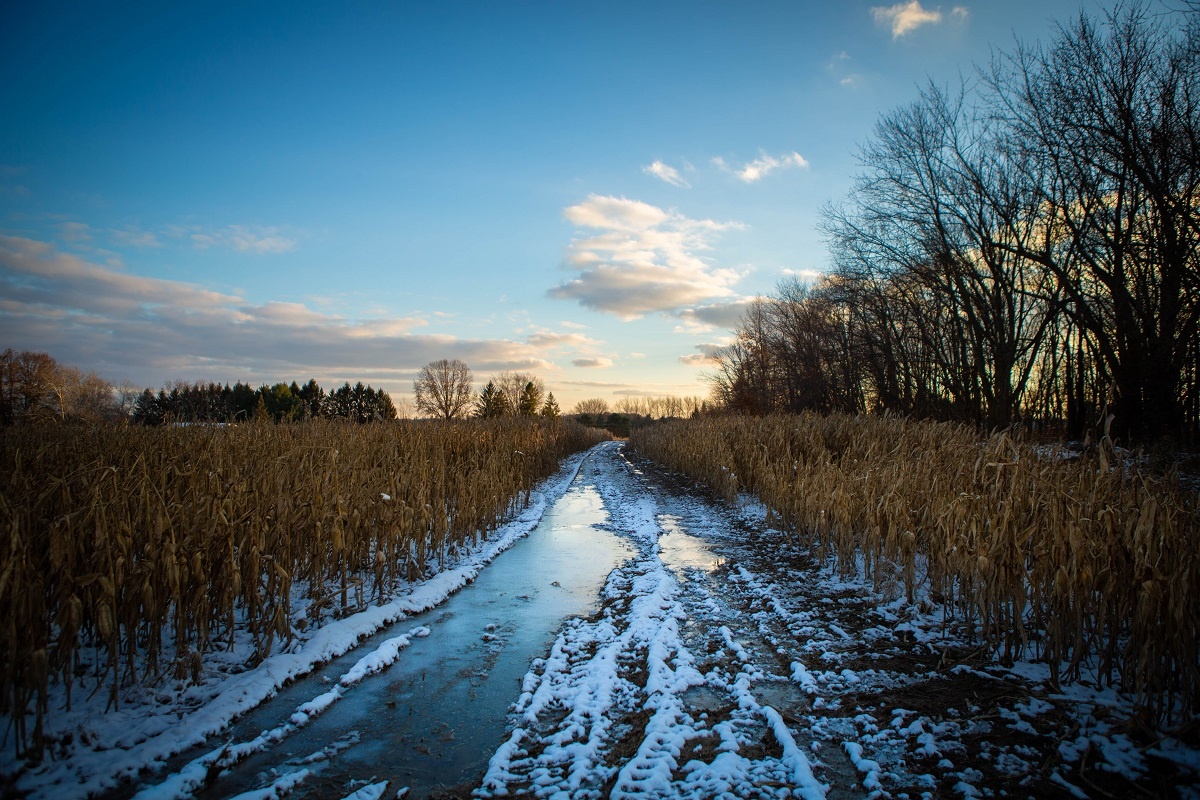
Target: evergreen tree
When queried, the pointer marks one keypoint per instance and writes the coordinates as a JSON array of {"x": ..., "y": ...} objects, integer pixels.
[
  {"x": 147, "y": 411},
  {"x": 385, "y": 409},
  {"x": 531, "y": 398},
  {"x": 491, "y": 402},
  {"x": 313, "y": 398},
  {"x": 550, "y": 407}
]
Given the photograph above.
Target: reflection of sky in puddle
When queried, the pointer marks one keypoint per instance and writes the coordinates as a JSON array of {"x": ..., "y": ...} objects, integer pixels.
[
  {"x": 681, "y": 551},
  {"x": 435, "y": 715}
]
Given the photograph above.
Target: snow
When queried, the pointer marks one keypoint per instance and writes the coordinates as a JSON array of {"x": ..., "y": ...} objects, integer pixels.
[
  {"x": 114, "y": 746},
  {"x": 723, "y": 662},
  {"x": 372, "y": 791}
]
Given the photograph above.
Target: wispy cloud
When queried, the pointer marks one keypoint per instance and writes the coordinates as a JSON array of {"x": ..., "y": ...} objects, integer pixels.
[
  {"x": 593, "y": 362},
  {"x": 667, "y": 173},
  {"x": 840, "y": 67},
  {"x": 75, "y": 231},
  {"x": 642, "y": 260},
  {"x": 903, "y": 18},
  {"x": 133, "y": 237},
  {"x": 241, "y": 238},
  {"x": 151, "y": 330},
  {"x": 762, "y": 166},
  {"x": 555, "y": 339}
]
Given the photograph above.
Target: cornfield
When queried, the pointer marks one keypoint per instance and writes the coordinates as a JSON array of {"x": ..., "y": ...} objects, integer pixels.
[
  {"x": 143, "y": 549},
  {"x": 1089, "y": 565}
]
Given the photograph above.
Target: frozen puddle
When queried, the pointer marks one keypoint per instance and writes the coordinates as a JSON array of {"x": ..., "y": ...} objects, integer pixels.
[
  {"x": 432, "y": 718},
  {"x": 681, "y": 551}
]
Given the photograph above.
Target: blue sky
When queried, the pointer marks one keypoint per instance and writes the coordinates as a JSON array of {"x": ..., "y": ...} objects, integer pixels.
[{"x": 585, "y": 191}]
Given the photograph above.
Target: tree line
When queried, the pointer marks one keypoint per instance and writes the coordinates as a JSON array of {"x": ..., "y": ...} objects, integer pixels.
[
  {"x": 445, "y": 389},
  {"x": 1024, "y": 248},
  {"x": 34, "y": 387},
  {"x": 221, "y": 403}
]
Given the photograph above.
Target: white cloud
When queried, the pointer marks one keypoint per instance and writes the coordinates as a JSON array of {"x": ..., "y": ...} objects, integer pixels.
[
  {"x": 705, "y": 358},
  {"x": 762, "y": 166},
  {"x": 713, "y": 316},
  {"x": 615, "y": 213},
  {"x": 666, "y": 173},
  {"x": 904, "y": 18},
  {"x": 152, "y": 330},
  {"x": 593, "y": 362},
  {"x": 553, "y": 339},
  {"x": 642, "y": 260},
  {"x": 807, "y": 275}
]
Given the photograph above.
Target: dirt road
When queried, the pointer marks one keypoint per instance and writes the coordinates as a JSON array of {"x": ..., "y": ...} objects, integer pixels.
[{"x": 715, "y": 659}]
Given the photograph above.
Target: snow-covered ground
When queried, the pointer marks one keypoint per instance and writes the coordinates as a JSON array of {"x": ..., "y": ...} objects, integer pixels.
[
  {"x": 726, "y": 663},
  {"x": 721, "y": 662},
  {"x": 96, "y": 750}
]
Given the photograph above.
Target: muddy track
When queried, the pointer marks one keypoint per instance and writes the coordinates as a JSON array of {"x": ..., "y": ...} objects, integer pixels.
[{"x": 732, "y": 664}]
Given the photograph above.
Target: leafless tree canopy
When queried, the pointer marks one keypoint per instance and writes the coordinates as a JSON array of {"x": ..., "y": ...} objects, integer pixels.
[
  {"x": 1022, "y": 247},
  {"x": 35, "y": 387},
  {"x": 593, "y": 406},
  {"x": 444, "y": 389},
  {"x": 523, "y": 392}
]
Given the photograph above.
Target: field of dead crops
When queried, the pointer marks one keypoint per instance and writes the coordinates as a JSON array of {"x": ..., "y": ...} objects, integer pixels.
[
  {"x": 129, "y": 553},
  {"x": 1089, "y": 564}
]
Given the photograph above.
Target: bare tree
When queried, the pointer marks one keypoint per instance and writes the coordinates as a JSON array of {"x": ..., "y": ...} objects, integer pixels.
[
  {"x": 1112, "y": 110},
  {"x": 515, "y": 386},
  {"x": 443, "y": 389},
  {"x": 591, "y": 406}
]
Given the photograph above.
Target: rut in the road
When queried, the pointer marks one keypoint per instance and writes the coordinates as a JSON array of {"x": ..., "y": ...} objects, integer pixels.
[{"x": 666, "y": 691}]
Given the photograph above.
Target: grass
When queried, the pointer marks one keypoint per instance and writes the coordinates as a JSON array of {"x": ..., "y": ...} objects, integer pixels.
[
  {"x": 1091, "y": 565},
  {"x": 146, "y": 548}
]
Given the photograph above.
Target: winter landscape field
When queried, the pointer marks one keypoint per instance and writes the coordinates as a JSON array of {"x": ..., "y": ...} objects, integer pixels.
[
  {"x": 623, "y": 631},
  {"x": 699, "y": 399}
]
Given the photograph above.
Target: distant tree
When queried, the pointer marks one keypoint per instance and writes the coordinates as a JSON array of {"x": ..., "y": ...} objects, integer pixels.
[
  {"x": 127, "y": 394},
  {"x": 359, "y": 403},
  {"x": 281, "y": 404},
  {"x": 385, "y": 409},
  {"x": 592, "y": 406},
  {"x": 312, "y": 396},
  {"x": 531, "y": 399},
  {"x": 243, "y": 401},
  {"x": 550, "y": 407},
  {"x": 515, "y": 385},
  {"x": 146, "y": 409},
  {"x": 261, "y": 412},
  {"x": 443, "y": 389},
  {"x": 25, "y": 380},
  {"x": 491, "y": 403}
]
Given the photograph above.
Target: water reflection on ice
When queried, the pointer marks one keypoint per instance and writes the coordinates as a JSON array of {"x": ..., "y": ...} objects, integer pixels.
[
  {"x": 681, "y": 551},
  {"x": 433, "y": 718}
]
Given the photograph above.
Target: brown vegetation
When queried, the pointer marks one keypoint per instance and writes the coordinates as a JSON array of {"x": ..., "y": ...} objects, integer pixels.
[
  {"x": 146, "y": 547},
  {"x": 1088, "y": 564}
]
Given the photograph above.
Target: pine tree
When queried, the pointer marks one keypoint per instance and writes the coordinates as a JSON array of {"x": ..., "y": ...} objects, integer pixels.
[
  {"x": 491, "y": 403},
  {"x": 550, "y": 408},
  {"x": 531, "y": 398}
]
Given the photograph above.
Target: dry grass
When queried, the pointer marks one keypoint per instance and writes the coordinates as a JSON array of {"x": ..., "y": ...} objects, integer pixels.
[
  {"x": 1087, "y": 564},
  {"x": 150, "y": 545}
]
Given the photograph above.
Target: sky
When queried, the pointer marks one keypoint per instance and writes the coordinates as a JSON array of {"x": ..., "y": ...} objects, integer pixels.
[{"x": 588, "y": 192}]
